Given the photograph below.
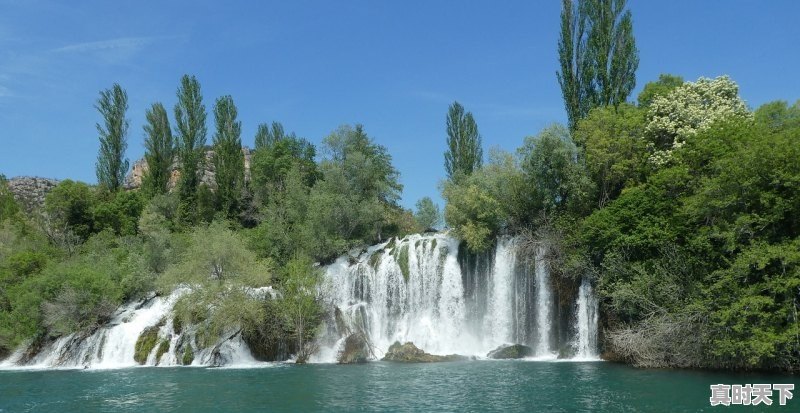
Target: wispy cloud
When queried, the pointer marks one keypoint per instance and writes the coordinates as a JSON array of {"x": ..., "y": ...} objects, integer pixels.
[
  {"x": 5, "y": 92},
  {"x": 122, "y": 43}
]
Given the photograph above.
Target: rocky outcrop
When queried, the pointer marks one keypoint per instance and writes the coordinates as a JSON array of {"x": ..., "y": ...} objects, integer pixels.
[
  {"x": 30, "y": 191},
  {"x": 409, "y": 353},
  {"x": 355, "y": 350},
  {"x": 513, "y": 351},
  {"x": 135, "y": 176}
]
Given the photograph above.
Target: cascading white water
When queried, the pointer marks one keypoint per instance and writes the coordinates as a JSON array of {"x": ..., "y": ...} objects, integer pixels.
[
  {"x": 586, "y": 343},
  {"x": 114, "y": 344},
  {"x": 499, "y": 321},
  {"x": 544, "y": 303},
  {"x": 418, "y": 289}
]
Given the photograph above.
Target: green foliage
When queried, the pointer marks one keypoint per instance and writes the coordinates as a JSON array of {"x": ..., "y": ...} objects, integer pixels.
[
  {"x": 402, "y": 261},
  {"x": 662, "y": 87},
  {"x": 712, "y": 238},
  {"x": 300, "y": 305},
  {"x": 266, "y": 136},
  {"x": 118, "y": 212},
  {"x": 69, "y": 208},
  {"x": 111, "y": 163},
  {"x": 493, "y": 199},
  {"x": 188, "y": 356},
  {"x": 276, "y": 158},
  {"x": 145, "y": 344},
  {"x": 551, "y": 168},
  {"x": 614, "y": 151},
  {"x": 464, "y": 152},
  {"x": 778, "y": 115},
  {"x": 427, "y": 215},
  {"x": 597, "y": 55},
  {"x": 217, "y": 254},
  {"x": 159, "y": 151},
  {"x": 9, "y": 207},
  {"x": 228, "y": 159},
  {"x": 359, "y": 189},
  {"x": 190, "y": 118}
]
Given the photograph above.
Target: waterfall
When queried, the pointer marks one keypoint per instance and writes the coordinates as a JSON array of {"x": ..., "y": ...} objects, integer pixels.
[
  {"x": 544, "y": 303},
  {"x": 586, "y": 339},
  {"x": 499, "y": 321},
  {"x": 425, "y": 289},
  {"x": 113, "y": 345}
]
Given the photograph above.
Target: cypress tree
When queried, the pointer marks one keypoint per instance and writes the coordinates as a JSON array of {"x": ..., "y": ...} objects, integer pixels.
[
  {"x": 159, "y": 150},
  {"x": 464, "y": 153},
  {"x": 111, "y": 162},
  {"x": 190, "y": 117},
  {"x": 228, "y": 158}
]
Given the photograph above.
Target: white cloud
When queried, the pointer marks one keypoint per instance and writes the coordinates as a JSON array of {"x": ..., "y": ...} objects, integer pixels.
[{"x": 122, "y": 43}]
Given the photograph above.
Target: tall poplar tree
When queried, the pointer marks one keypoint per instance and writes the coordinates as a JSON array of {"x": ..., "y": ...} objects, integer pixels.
[
  {"x": 159, "y": 150},
  {"x": 190, "y": 118},
  {"x": 228, "y": 158},
  {"x": 267, "y": 136},
  {"x": 597, "y": 55},
  {"x": 464, "y": 152},
  {"x": 111, "y": 164}
]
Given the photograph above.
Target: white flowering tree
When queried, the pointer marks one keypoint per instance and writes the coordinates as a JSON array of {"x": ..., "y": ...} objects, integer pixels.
[{"x": 689, "y": 109}]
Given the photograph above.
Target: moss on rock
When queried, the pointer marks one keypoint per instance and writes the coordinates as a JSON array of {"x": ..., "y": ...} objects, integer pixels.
[
  {"x": 145, "y": 344},
  {"x": 409, "y": 353},
  {"x": 355, "y": 349},
  {"x": 514, "y": 351},
  {"x": 188, "y": 356},
  {"x": 163, "y": 347},
  {"x": 402, "y": 261}
]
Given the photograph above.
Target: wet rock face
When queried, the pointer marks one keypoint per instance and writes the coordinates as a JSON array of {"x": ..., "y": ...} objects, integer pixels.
[
  {"x": 355, "y": 350},
  {"x": 409, "y": 353},
  {"x": 514, "y": 351},
  {"x": 30, "y": 191}
]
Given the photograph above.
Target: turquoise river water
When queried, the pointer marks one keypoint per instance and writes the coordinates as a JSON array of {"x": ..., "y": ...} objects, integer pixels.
[{"x": 475, "y": 386}]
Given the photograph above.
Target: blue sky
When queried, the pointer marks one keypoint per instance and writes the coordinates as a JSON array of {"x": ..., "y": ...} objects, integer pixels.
[{"x": 314, "y": 65}]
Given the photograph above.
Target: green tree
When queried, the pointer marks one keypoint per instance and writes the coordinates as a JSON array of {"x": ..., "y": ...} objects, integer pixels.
[
  {"x": 228, "y": 158},
  {"x": 159, "y": 151},
  {"x": 111, "y": 162},
  {"x": 301, "y": 305},
  {"x": 550, "y": 164},
  {"x": 68, "y": 210},
  {"x": 778, "y": 115},
  {"x": 427, "y": 214},
  {"x": 464, "y": 152},
  {"x": 614, "y": 150},
  {"x": 8, "y": 205},
  {"x": 190, "y": 117},
  {"x": 266, "y": 136},
  {"x": 597, "y": 55},
  {"x": 271, "y": 163},
  {"x": 662, "y": 87}
]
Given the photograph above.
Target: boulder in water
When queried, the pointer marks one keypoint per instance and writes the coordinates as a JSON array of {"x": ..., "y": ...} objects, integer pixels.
[
  {"x": 512, "y": 351},
  {"x": 355, "y": 350},
  {"x": 409, "y": 353}
]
